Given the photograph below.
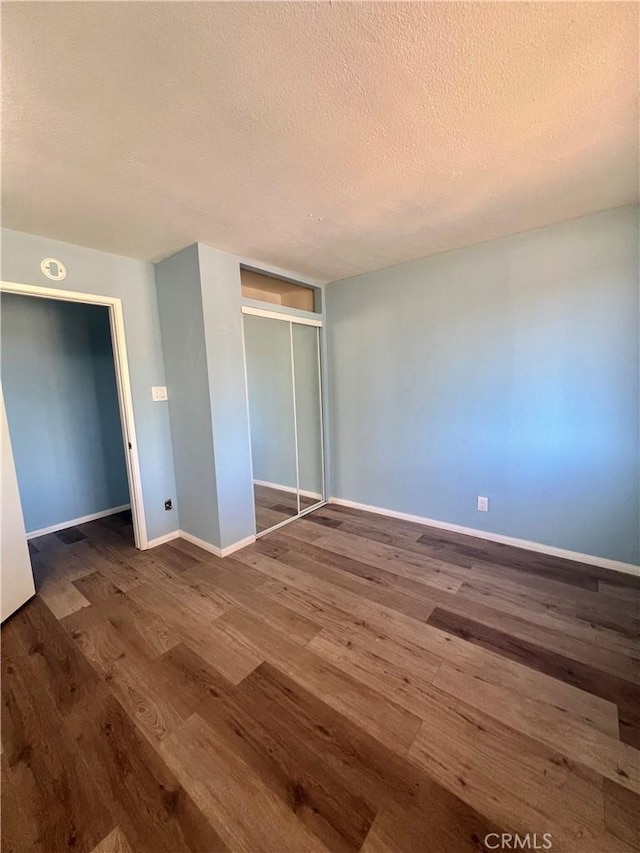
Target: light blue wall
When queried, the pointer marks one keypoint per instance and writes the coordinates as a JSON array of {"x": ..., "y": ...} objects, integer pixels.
[
  {"x": 60, "y": 393},
  {"x": 89, "y": 271},
  {"x": 181, "y": 317},
  {"x": 222, "y": 307},
  {"x": 508, "y": 369},
  {"x": 200, "y": 308}
]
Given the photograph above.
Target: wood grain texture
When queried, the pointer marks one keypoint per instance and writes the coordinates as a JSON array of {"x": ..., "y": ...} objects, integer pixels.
[
  {"x": 622, "y": 813},
  {"x": 46, "y": 772},
  {"x": 115, "y": 842},
  {"x": 348, "y": 683},
  {"x": 273, "y": 506},
  {"x": 583, "y": 675}
]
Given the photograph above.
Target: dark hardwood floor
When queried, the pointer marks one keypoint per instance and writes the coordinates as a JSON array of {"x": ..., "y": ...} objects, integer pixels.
[{"x": 348, "y": 683}]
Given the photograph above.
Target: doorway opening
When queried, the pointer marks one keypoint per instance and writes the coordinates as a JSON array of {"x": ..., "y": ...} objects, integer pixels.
[{"x": 66, "y": 392}]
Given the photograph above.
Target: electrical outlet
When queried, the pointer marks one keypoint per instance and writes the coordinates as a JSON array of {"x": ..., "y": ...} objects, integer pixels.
[
  {"x": 158, "y": 393},
  {"x": 483, "y": 504},
  {"x": 168, "y": 504}
]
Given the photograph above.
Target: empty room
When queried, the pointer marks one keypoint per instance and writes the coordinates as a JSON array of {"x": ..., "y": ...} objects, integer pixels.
[{"x": 320, "y": 398}]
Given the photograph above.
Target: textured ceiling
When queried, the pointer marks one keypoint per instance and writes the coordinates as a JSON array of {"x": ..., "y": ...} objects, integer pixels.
[{"x": 325, "y": 138}]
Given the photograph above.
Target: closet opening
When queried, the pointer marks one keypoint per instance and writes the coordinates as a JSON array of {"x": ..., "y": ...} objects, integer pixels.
[
  {"x": 284, "y": 392},
  {"x": 61, "y": 377}
]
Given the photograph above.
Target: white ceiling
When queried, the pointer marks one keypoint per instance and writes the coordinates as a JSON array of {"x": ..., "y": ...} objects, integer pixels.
[{"x": 327, "y": 138}]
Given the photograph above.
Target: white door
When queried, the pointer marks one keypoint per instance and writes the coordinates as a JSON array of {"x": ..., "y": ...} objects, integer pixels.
[{"x": 16, "y": 577}]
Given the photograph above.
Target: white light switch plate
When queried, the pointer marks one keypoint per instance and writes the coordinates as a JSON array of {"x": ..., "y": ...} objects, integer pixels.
[{"x": 158, "y": 392}]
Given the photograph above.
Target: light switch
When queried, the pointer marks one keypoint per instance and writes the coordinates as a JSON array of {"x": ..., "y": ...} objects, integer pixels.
[{"x": 158, "y": 392}]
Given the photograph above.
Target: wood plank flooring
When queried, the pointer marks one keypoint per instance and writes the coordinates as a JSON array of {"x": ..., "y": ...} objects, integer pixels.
[
  {"x": 273, "y": 506},
  {"x": 348, "y": 683}
]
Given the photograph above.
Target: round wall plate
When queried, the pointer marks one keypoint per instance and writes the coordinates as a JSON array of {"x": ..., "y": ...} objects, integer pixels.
[{"x": 53, "y": 269}]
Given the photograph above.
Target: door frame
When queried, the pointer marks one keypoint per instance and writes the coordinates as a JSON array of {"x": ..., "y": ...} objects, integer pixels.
[
  {"x": 123, "y": 383},
  {"x": 303, "y": 321}
]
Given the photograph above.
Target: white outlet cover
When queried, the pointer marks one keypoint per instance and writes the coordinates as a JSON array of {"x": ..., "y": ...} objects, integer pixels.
[
  {"x": 158, "y": 393},
  {"x": 53, "y": 269},
  {"x": 483, "y": 504}
]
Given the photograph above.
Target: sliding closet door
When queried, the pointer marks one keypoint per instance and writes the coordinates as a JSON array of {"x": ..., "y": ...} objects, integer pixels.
[
  {"x": 269, "y": 368},
  {"x": 308, "y": 407},
  {"x": 285, "y": 416}
]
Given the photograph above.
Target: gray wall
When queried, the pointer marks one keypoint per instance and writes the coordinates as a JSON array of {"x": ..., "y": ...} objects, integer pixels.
[
  {"x": 508, "y": 369},
  {"x": 60, "y": 393},
  {"x": 132, "y": 281},
  {"x": 200, "y": 309},
  {"x": 183, "y": 340},
  {"x": 222, "y": 307}
]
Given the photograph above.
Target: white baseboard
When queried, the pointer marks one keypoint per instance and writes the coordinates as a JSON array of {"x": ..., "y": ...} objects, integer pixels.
[
  {"x": 290, "y": 489},
  {"x": 161, "y": 540},
  {"x": 206, "y": 546},
  {"x": 74, "y": 521},
  {"x": 213, "y": 549},
  {"x": 236, "y": 546},
  {"x": 590, "y": 559}
]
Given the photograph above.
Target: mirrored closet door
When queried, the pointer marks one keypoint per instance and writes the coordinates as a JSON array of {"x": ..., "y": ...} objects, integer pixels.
[{"x": 282, "y": 358}]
